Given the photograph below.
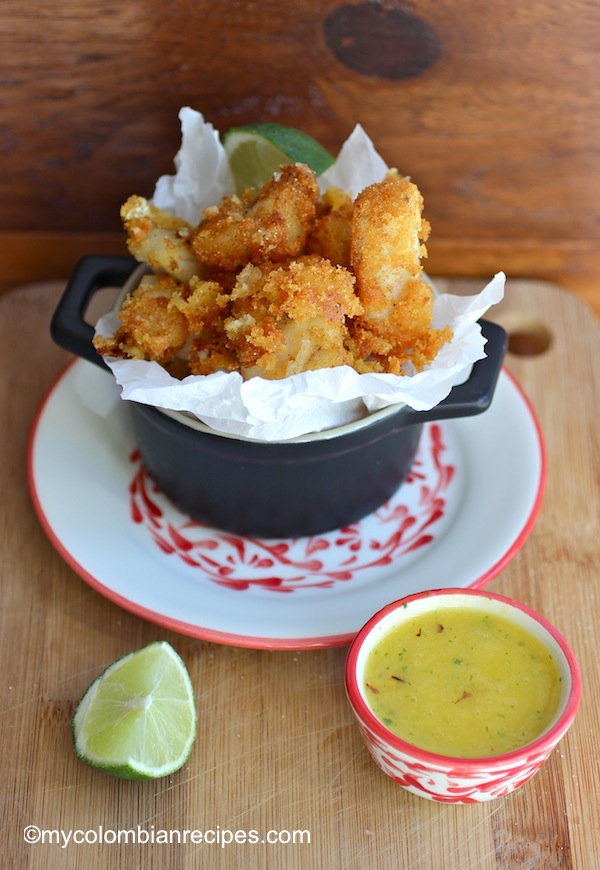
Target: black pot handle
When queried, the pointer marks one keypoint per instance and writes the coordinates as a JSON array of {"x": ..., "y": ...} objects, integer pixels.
[
  {"x": 68, "y": 327},
  {"x": 474, "y": 395}
]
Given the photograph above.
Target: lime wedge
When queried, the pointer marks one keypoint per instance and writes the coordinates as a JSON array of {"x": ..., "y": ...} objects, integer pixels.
[
  {"x": 137, "y": 720},
  {"x": 256, "y": 151}
]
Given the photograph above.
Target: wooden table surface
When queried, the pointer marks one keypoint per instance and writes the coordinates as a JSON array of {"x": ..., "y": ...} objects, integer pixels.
[{"x": 277, "y": 747}]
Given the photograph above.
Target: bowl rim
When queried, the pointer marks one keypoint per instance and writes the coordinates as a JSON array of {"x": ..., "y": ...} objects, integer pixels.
[{"x": 542, "y": 745}]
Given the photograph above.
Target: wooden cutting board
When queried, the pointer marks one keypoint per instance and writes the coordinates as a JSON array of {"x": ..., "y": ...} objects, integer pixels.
[{"x": 277, "y": 748}]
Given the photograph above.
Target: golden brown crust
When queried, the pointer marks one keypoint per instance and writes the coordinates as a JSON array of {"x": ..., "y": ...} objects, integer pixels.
[
  {"x": 151, "y": 327},
  {"x": 274, "y": 226},
  {"x": 292, "y": 318},
  {"x": 156, "y": 237},
  {"x": 332, "y": 233},
  {"x": 283, "y": 282},
  {"x": 386, "y": 250}
]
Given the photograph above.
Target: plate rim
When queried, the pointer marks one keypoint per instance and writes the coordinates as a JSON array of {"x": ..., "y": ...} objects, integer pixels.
[{"x": 255, "y": 641}]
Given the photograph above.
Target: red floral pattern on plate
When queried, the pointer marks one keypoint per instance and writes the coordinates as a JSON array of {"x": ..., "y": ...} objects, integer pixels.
[{"x": 401, "y": 526}]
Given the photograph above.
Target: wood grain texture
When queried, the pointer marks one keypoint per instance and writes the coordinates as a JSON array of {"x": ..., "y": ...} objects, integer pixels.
[
  {"x": 381, "y": 40},
  {"x": 500, "y": 128},
  {"x": 277, "y": 745}
]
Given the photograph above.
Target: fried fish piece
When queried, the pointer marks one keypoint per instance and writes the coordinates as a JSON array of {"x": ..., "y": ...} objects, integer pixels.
[
  {"x": 388, "y": 235},
  {"x": 292, "y": 318},
  {"x": 152, "y": 328},
  {"x": 205, "y": 307},
  {"x": 201, "y": 302},
  {"x": 159, "y": 239},
  {"x": 332, "y": 232},
  {"x": 272, "y": 227},
  {"x": 283, "y": 281}
]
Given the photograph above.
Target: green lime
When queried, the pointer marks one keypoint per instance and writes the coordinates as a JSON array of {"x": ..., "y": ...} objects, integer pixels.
[
  {"x": 256, "y": 151},
  {"x": 137, "y": 720}
]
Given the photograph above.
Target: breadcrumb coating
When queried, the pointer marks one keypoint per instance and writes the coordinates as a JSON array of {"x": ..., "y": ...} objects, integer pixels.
[
  {"x": 272, "y": 227},
  {"x": 159, "y": 239},
  {"x": 293, "y": 319},
  {"x": 282, "y": 282},
  {"x": 388, "y": 235},
  {"x": 151, "y": 327}
]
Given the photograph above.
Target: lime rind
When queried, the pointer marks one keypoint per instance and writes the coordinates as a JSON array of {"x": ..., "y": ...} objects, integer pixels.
[
  {"x": 256, "y": 151},
  {"x": 138, "y": 719}
]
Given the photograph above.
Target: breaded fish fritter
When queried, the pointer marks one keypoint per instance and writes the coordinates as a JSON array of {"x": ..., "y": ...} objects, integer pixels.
[
  {"x": 205, "y": 306},
  {"x": 386, "y": 250},
  {"x": 293, "y": 318},
  {"x": 274, "y": 226},
  {"x": 159, "y": 239},
  {"x": 331, "y": 235},
  {"x": 152, "y": 328},
  {"x": 282, "y": 282}
]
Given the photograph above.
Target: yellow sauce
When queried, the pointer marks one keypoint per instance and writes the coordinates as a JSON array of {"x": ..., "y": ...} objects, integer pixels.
[{"x": 463, "y": 683}]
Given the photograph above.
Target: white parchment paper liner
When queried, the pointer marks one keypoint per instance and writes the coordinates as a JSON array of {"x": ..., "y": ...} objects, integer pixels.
[{"x": 310, "y": 401}]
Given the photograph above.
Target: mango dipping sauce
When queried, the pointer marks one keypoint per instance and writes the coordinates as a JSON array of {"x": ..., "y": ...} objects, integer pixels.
[{"x": 462, "y": 682}]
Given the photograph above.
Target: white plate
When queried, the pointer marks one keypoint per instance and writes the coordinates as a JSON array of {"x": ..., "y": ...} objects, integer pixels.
[{"x": 466, "y": 509}]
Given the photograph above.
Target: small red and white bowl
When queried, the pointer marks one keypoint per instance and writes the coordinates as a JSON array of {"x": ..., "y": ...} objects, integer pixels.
[{"x": 459, "y": 780}]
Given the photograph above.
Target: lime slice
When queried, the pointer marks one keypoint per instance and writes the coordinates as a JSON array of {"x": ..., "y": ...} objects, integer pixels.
[
  {"x": 137, "y": 720},
  {"x": 256, "y": 151}
]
